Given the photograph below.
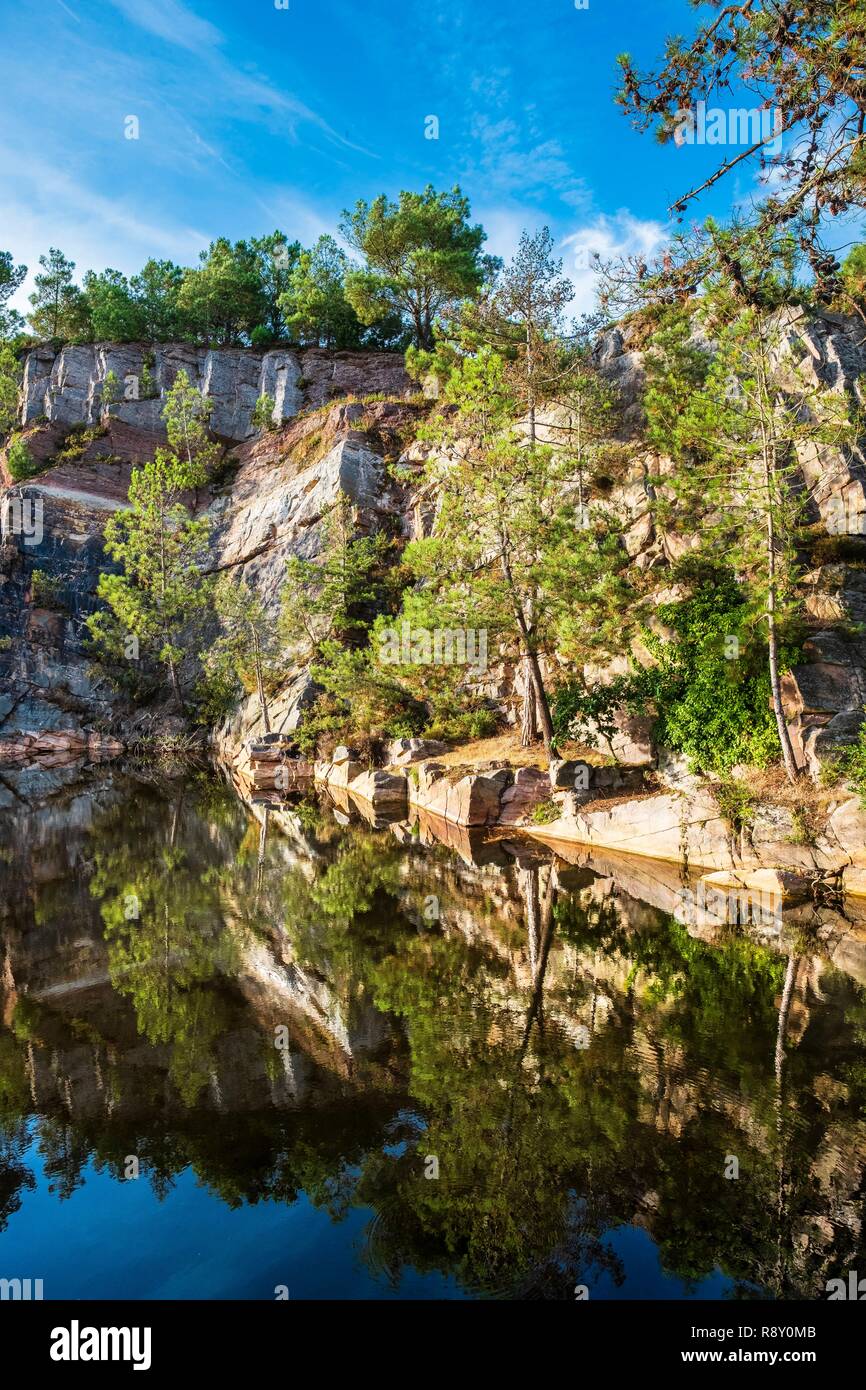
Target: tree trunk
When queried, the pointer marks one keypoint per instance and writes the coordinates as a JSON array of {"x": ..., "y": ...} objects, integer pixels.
[
  {"x": 260, "y": 679},
  {"x": 581, "y": 504},
  {"x": 772, "y": 637},
  {"x": 528, "y": 714},
  {"x": 260, "y": 858},
  {"x": 542, "y": 706},
  {"x": 788, "y": 758},
  {"x": 530, "y": 384},
  {"x": 175, "y": 683}
]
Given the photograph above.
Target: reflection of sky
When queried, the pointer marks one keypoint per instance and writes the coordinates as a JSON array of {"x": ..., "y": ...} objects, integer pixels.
[{"x": 116, "y": 1240}]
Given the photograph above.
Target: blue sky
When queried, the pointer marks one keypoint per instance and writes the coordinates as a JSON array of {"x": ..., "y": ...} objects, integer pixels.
[{"x": 253, "y": 117}]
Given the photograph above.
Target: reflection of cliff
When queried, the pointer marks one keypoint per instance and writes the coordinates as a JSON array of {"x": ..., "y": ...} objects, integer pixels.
[
  {"x": 122, "y": 925},
  {"x": 573, "y": 1058},
  {"x": 645, "y": 1052}
]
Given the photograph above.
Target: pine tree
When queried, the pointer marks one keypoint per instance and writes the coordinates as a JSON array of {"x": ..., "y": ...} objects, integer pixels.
[
  {"x": 588, "y": 415},
  {"x": 332, "y": 598},
  {"x": 10, "y": 386},
  {"x": 248, "y": 639},
  {"x": 111, "y": 392},
  {"x": 496, "y": 499},
  {"x": 422, "y": 258},
  {"x": 741, "y": 434},
  {"x": 113, "y": 312},
  {"x": 262, "y": 417},
  {"x": 59, "y": 307},
  {"x": 156, "y": 290},
  {"x": 222, "y": 300},
  {"x": 315, "y": 305},
  {"x": 159, "y": 545},
  {"x": 11, "y": 279},
  {"x": 161, "y": 550},
  {"x": 186, "y": 414},
  {"x": 529, "y": 299}
]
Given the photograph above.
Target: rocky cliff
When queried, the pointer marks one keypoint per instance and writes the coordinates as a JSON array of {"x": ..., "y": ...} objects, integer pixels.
[
  {"x": 274, "y": 489},
  {"x": 65, "y": 388},
  {"x": 339, "y": 418}
]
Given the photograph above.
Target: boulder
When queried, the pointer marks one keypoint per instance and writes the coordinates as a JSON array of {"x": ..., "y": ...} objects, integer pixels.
[
  {"x": 670, "y": 827},
  {"x": 386, "y": 791},
  {"x": 639, "y": 535},
  {"x": 823, "y": 687},
  {"x": 469, "y": 799},
  {"x": 54, "y": 748},
  {"x": 854, "y": 881},
  {"x": 773, "y": 884},
  {"x": 338, "y": 774},
  {"x": 847, "y": 828},
  {"x": 402, "y": 752},
  {"x": 569, "y": 775},
  {"x": 823, "y": 744},
  {"x": 530, "y": 788},
  {"x": 632, "y": 743}
]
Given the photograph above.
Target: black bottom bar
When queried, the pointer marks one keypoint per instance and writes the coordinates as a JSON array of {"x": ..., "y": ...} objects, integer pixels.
[{"x": 268, "y": 1338}]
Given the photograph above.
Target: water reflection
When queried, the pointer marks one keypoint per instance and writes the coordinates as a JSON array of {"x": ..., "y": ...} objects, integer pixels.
[{"x": 508, "y": 1066}]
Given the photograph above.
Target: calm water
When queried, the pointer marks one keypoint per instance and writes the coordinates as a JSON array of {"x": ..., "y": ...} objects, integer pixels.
[{"x": 357, "y": 1063}]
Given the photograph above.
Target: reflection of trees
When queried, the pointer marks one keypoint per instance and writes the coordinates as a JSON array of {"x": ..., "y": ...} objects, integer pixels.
[
  {"x": 15, "y": 1176},
  {"x": 346, "y": 918},
  {"x": 720, "y": 1014},
  {"x": 167, "y": 940},
  {"x": 545, "y": 1146},
  {"x": 510, "y": 1207}
]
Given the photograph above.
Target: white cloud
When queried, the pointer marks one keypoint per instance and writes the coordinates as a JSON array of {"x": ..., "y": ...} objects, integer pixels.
[
  {"x": 608, "y": 238},
  {"x": 504, "y": 227},
  {"x": 296, "y": 217},
  {"x": 249, "y": 93},
  {"x": 170, "y": 20},
  {"x": 44, "y": 206}
]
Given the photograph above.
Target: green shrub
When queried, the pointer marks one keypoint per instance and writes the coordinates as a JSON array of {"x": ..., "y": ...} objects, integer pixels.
[
  {"x": 580, "y": 712},
  {"x": 462, "y": 725},
  {"x": 804, "y": 830},
  {"x": 77, "y": 442},
  {"x": 111, "y": 392},
  {"x": 216, "y": 694},
  {"x": 261, "y": 336},
  {"x": 20, "y": 461},
  {"x": 45, "y": 591},
  {"x": 403, "y": 726},
  {"x": 710, "y": 688},
  {"x": 224, "y": 472},
  {"x": 148, "y": 389},
  {"x": 263, "y": 413},
  {"x": 736, "y": 803},
  {"x": 850, "y": 763},
  {"x": 545, "y": 812}
]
